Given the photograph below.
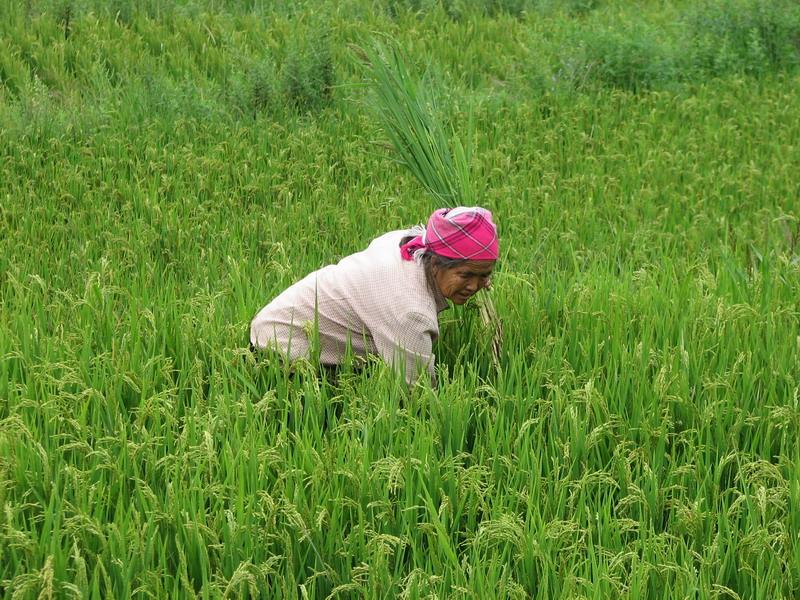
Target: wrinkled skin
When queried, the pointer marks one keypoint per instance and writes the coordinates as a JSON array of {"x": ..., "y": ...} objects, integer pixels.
[{"x": 459, "y": 284}]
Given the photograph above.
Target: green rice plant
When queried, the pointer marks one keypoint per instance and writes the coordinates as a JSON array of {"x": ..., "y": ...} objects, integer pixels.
[
  {"x": 639, "y": 441},
  {"x": 14, "y": 74}
]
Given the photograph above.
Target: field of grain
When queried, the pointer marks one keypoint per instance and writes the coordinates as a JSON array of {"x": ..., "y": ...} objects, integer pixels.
[{"x": 168, "y": 167}]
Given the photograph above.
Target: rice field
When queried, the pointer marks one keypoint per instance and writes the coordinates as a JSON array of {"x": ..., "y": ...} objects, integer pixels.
[{"x": 167, "y": 168}]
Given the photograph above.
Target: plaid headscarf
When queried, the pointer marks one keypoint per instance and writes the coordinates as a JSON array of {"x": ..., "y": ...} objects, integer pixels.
[{"x": 463, "y": 232}]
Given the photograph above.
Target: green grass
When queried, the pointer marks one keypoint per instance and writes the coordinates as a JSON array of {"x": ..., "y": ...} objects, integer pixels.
[{"x": 641, "y": 437}]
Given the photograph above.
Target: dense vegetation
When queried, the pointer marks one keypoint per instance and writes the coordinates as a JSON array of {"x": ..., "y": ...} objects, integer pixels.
[{"x": 166, "y": 168}]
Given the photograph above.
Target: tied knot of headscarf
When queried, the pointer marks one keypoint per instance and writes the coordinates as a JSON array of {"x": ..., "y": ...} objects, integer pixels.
[{"x": 463, "y": 232}]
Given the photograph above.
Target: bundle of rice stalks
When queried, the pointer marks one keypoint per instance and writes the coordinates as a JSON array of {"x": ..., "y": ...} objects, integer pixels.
[{"x": 406, "y": 112}]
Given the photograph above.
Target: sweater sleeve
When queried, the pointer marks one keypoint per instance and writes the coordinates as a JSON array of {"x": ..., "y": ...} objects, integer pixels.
[{"x": 407, "y": 345}]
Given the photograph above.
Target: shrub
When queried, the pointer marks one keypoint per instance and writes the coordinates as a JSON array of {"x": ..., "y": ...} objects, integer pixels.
[
  {"x": 628, "y": 59},
  {"x": 307, "y": 76},
  {"x": 749, "y": 36},
  {"x": 581, "y": 7},
  {"x": 460, "y": 9},
  {"x": 254, "y": 90},
  {"x": 493, "y": 8},
  {"x": 303, "y": 81},
  {"x": 574, "y": 8}
]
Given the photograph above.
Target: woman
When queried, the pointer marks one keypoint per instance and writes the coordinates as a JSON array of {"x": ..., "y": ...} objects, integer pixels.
[{"x": 386, "y": 299}]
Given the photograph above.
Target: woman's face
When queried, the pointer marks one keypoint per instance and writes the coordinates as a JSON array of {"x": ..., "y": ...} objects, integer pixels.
[{"x": 459, "y": 284}]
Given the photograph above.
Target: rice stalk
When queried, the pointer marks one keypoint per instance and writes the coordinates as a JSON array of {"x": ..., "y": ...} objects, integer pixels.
[{"x": 406, "y": 111}]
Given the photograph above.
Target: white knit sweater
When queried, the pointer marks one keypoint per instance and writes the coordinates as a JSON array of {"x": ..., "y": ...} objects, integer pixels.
[{"x": 372, "y": 299}]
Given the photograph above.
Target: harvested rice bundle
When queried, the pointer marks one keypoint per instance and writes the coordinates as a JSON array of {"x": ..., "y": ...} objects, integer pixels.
[{"x": 405, "y": 110}]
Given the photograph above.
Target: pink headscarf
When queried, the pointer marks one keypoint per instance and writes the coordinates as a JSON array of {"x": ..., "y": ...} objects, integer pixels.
[{"x": 463, "y": 232}]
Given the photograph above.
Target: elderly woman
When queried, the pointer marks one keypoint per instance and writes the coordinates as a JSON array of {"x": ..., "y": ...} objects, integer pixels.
[{"x": 385, "y": 299}]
